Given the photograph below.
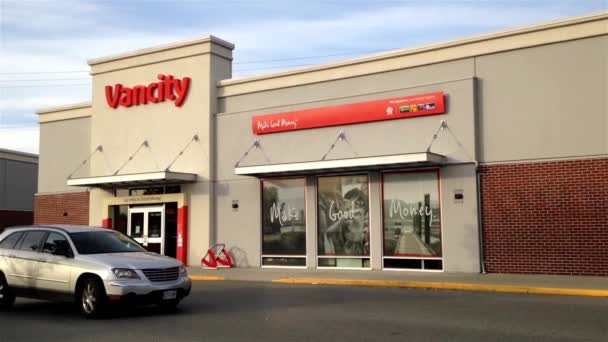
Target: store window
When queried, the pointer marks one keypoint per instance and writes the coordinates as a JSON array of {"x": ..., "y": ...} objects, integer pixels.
[
  {"x": 343, "y": 213},
  {"x": 283, "y": 222},
  {"x": 412, "y": 221}
]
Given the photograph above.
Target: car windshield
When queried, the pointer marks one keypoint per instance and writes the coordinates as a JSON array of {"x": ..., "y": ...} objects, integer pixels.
[{"x": 100, "y": 242}]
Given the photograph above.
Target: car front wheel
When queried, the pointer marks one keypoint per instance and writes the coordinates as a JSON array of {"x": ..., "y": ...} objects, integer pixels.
[
  {"x": 92, "y": 298},
  {"x": 7, "y": 299}
]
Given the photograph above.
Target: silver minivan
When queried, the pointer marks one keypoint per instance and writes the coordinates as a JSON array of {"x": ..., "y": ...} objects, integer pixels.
[{"x": 92, "y": 266}]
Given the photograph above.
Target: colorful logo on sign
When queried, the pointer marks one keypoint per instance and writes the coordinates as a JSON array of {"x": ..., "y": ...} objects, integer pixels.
[
  {"x": 352, "y": 113},
  {"x": 169, "y": 88}
]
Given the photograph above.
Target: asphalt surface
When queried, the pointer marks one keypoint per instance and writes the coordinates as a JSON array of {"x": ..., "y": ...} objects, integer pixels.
[{"x": 241, "y": 311}]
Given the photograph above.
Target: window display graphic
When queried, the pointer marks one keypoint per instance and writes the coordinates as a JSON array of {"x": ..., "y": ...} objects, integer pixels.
[
  {"x": 283, "y": 217},
  {"x": 412, "y": 224},
  {"x": 343, "y": 216}
]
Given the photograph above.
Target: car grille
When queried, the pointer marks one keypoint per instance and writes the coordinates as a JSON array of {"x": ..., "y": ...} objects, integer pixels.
[{"x": 161, "y": 274}]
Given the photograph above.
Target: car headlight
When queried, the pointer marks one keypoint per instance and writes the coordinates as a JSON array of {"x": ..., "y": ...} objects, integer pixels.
[
  {"x": 125, "y": 273},
  {"x": 183, "y": 271}
]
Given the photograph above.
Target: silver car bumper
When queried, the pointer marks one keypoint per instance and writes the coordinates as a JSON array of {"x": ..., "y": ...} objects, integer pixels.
[{"x": 144, "y": 287}]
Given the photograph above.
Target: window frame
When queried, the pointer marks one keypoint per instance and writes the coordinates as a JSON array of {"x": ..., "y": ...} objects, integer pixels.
[
  {"x": 370, "y": 235},
  {"x": 45, "y": 233},
  {"x": 437, "y": 171},
  {"x": 262, "y": 255},
  {"x": 20, "y": 232},
  {"x": 67, "y": 239}
]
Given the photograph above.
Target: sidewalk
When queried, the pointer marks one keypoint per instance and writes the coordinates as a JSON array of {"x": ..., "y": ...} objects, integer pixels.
[{"x": 511, "y": 283}]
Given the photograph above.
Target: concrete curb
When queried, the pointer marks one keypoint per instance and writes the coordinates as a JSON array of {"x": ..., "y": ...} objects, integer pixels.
[
  {"x": 448, "y": 286},
  {"x": 428, "y": 285}
]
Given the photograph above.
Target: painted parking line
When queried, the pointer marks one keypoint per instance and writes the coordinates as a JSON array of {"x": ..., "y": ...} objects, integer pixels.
[{"x": 448, "y": 286}]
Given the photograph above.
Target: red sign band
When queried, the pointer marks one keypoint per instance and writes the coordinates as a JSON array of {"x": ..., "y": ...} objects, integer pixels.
[{"x": 352, "y": 113}]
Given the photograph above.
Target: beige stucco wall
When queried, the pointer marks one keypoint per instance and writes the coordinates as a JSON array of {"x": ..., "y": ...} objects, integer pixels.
[
  {"x": 240, "y": 229},
  {"x": 166, "y": 128},
  {"x": 459, "y": 225},
  {"x": 69, "y": 134},
  {"x": 64, "y": 145},
  {"x": 544, "y": 102},
  {"x": 370, "y": 139},
  {"x": 522, "y": 95}
]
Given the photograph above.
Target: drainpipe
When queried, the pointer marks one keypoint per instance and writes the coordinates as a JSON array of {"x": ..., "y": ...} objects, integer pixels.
[{"x": 482, "y": 263}]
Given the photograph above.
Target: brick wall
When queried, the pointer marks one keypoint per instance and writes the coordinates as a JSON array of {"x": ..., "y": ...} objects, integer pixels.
[
  {"x": 67, "y": 208},
  {"x": 10, "y": 218},
  {"x": 548, "y": 218}
]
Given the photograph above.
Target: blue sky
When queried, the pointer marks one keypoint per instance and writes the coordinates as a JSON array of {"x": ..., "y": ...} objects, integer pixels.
[{"x": 40, "y": 37}]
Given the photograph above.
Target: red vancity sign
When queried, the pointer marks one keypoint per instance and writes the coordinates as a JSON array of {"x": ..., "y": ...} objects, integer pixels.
[
  {"x": 169, "y": 88},
  {"x": 378, "y": 110}
]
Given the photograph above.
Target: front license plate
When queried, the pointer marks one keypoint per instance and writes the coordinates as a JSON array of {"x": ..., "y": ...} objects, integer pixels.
[{"x": 171, "y": 294}]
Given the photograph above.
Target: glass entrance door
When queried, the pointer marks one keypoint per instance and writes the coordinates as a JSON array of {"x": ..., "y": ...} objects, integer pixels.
[{"x": 147, "y": 226}]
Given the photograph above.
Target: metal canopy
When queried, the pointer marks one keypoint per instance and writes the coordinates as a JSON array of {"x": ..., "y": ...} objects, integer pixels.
[
  {"x": 343, "y": 165},
  {"x": 135, "y": 179}
]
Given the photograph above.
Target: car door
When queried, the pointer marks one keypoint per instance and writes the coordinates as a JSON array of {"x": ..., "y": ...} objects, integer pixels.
[
  {"x": 26, "y": 259},
  {"x": 55, "y": 264},
  {"x": 7, "y": 251}
]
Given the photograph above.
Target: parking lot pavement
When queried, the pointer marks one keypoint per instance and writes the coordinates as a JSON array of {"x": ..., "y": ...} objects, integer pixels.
[{"x": 246, "y": 311}]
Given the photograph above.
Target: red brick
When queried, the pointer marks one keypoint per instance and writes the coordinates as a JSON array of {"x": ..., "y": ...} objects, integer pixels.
[
  {"x": 546, "y": 218},
  {"x": 62, "y": 208}
]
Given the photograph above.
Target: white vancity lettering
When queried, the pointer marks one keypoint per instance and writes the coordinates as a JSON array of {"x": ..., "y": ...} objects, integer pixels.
[
  {"x": 288, "y": 213},
  {"x": 339, "y": 214},
  {"x": 262, "y": 125},
  {"x": 411, "y": 211}
]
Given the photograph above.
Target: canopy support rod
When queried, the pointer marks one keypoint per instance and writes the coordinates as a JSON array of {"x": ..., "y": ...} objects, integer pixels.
[
  {"x": 444, "y": 126},
  {"x": 99, "y": 148},
  {"x": 256, "y": 145},
  {"x": 194, "y": 138},
  {"x": 341, "y": 137},
  {"x": 143, "y": 144}
]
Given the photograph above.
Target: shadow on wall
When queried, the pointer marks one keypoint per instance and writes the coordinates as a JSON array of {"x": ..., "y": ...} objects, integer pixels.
[{"x": 239, "y": 257}]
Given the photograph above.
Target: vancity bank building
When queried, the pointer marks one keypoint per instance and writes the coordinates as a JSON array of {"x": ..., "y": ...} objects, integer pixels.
[{"x": 482, "y": 154}]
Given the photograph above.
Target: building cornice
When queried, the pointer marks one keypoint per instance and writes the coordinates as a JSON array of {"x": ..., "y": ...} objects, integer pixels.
[
  {"x": 161, "y": 48},
  {"x": 547, "y": 33},
  {"x": 18, "y": 156},
  {"x": 66, "y": 112}
]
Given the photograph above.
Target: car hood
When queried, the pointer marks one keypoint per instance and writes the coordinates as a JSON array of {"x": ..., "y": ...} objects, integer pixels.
[{"x": 136, "y": 261}]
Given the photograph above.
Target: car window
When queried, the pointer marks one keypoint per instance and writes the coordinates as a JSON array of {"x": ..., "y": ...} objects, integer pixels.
[
  {"x": 55, "y": 244},
  {"x": 10, "y": 241},
  {"x": 31, "y": 241},
  {"x": 99, "y": 242}
]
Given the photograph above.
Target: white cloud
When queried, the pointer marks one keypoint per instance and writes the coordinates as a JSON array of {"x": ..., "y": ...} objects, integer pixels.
[
  {"x": 23, "y": 139},
  {"x": 32, "y": 103},
  {"x": 354, "y": 28},
  {"x": 47, "y": 15},
  {"x": 62, "y": 35}
]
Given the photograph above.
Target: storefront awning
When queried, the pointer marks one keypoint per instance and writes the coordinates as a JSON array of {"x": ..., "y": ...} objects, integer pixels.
[
  {"x": 342, "y": 165},
  {"x": 135, "y": 179}
]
